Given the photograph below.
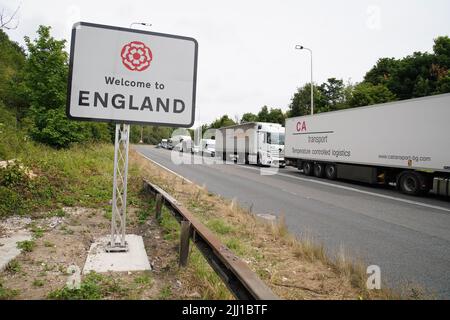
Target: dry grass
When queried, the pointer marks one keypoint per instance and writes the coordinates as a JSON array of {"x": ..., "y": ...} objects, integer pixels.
[{"x": 295, "y": 268}]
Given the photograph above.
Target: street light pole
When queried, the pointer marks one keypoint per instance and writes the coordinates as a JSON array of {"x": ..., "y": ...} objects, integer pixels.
[
  {"x": 299, "y": 47},
  {"x": 141, "y": 23},
  {"x": 148, "y": 25}
]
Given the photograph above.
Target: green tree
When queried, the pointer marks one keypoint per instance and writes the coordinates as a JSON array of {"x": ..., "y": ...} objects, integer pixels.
[
  {"x": 46, "y": 71},
  {"x": 150, "y": 134},
  {"x": 416, "y": 75},
  {"x": 443, "y": 85},
  {"x": 224, "y": 121},
  {"x": 12, "y": 60},
  {"x": 332, "y": 96},
  {"x": 263, "y": 114},
  {"x": 365, "y": 94},
  {"x": 45, "y": 86},
  {"x": 249, "y": 117},
  {"x": 301, "y": 101},
  {"x": 441, "y": 50},
  {"x": 382, "y": 71},
  {"x": 276, "y": 115}
]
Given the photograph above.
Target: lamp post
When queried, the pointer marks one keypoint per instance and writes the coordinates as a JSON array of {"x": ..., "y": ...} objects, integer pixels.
[
  {"x": 147, "y": 25},
  {"x": 299, "y": 47},
  {"x": 141, "y": 23}
]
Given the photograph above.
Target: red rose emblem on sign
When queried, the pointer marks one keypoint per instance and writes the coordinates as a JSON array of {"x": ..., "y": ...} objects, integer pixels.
[{"x": 136, "y": 56}]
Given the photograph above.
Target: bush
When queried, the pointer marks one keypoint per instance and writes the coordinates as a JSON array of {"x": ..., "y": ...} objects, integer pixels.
[
  {"x": 53, "y": 128},
  {"x": 13, "y": 175},
  {"x": 11, "y": 202},
  {"x": 12, "y": 139},
  {"x": 13, "y": 184}
]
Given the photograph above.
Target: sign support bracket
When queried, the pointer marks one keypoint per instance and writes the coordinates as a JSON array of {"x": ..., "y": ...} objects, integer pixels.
[{"x": 118, "y": 242}]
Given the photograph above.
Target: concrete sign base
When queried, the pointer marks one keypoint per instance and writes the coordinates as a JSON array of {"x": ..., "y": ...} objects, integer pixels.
[
  {"x": 8, "y": 247},
  {"x": 135, "y": 259}
]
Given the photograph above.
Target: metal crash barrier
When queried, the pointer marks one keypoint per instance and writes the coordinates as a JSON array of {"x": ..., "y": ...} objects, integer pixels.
[{"x": 243, "y": 283}]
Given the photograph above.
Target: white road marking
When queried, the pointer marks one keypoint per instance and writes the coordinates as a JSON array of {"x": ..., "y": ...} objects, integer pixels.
[
  {"x": 421, "y": 204},
  {"x": 360, "y": 191},
  {"x": 165, "y": 168}
]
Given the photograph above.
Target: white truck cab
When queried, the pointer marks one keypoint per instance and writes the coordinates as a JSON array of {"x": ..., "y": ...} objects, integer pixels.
[
  {"x": 208, "y": 147},
  {"x": 259, "y": 143}
]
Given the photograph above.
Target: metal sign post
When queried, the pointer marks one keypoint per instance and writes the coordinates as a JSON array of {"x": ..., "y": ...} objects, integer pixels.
[
  {"x": 139, "y": 77},
  {"x": 119, "y": 201}
]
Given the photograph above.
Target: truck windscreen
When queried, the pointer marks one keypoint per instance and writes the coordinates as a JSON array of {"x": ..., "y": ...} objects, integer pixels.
[{"x": 275, "y": 138}]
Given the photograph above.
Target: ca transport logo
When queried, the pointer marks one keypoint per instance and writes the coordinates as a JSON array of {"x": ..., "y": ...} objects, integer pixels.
[
  {"x": 136, "y": 56},
  {"x": 126, "y": 83}
]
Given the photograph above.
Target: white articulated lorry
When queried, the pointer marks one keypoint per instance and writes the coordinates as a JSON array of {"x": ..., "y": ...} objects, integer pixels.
[
  {"x": 258, "y": 143},
  {"x": 404, "y": 142}
]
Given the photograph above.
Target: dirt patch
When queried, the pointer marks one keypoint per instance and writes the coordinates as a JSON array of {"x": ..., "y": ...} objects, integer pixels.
[{"x": 60, "y": 242}]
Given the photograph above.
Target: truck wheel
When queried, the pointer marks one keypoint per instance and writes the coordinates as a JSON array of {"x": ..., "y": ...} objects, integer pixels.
[
  {"x": 330, "y": 172},
  {"x": 258, "y": 160},
  {"x": 410, "y": 182},
  {"x": 318, "y": 170},
  {"x": 308, "y": 168}
]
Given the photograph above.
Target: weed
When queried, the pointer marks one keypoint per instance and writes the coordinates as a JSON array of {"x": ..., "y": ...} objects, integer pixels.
[
  {"x": 210, "y": 285},
  {"x": 219, "y": 226},
  {"x": 169, "y": 225},
  {"x": 165, "y": 293},
  {"x": 89, "y": 290},
  {"x": 48, "y": 244},
  {"x": 280, "y": 228},
  {"x": 56, "y": 213},
  {"x": 26, "y": 246},
  {"x": 66, "y": 230},
  {"x": 144, "y": 279},
  {"x": 13, "y": 175},
  {"x": 38, "y": 283},
  {"x": 143, "y": 216},
  {"x": 234, "y": 245},
  {"x": 37, "y": 232},
  {"x": 94, "y": 286},
  {"x": 13, "y": 266},
  {"x": 108, "y": 215},
  {"x": 6, "y": 293}
]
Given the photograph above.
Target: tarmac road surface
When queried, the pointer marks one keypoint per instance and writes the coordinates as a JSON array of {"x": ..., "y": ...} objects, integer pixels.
[{"x": 407, "y": 237}]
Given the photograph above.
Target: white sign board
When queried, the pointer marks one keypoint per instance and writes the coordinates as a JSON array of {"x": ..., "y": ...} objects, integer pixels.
[{"x": 131, "y": 76}]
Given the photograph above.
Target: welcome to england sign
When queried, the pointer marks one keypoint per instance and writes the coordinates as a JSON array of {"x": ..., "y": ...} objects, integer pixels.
[{"x": 131, "y": 76}]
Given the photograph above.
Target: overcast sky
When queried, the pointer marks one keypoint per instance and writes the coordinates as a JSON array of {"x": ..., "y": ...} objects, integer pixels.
[{"x": 246, "y": 48}]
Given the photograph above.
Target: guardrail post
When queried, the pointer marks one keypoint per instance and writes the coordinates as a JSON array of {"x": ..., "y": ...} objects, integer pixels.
[
  {"x": 158, "y": 207},
  {"x": 184, "y": 242}
]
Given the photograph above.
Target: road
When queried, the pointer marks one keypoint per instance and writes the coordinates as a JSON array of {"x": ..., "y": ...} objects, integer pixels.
[{"x": 407, "y": 237}]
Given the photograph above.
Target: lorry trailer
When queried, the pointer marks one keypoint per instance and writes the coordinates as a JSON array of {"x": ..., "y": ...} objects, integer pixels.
[
  {"x": 406, "y": 143},
  {"x": 260, "y": 143}
]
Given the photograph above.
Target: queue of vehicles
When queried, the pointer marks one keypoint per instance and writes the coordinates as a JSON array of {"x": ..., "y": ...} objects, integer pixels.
[{"x": 403, "y": 143}]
